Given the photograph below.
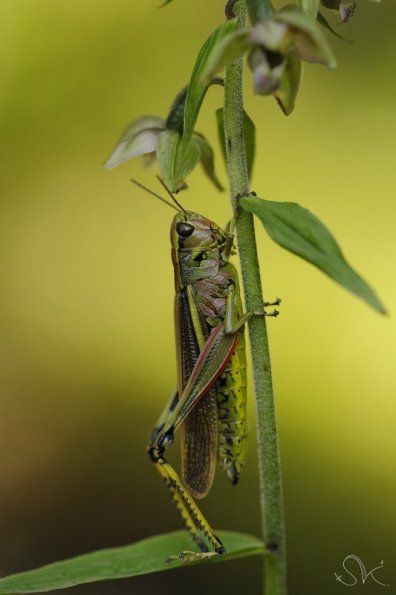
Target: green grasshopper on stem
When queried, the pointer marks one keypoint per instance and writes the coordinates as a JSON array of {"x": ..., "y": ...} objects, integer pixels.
[{"x": 210, "y": 401}]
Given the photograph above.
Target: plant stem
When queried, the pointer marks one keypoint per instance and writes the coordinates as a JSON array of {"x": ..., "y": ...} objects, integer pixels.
[{"x": 268, "y": 450}]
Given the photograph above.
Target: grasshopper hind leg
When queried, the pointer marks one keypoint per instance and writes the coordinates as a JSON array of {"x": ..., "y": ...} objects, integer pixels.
[{"x": 192, "y": 518}]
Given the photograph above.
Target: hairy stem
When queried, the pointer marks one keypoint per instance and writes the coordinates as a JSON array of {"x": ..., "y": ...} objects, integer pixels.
[{"x": 268, "y": 451}]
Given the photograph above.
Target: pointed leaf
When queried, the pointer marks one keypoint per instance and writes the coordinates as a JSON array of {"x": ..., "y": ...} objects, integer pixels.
[
  {"x": 175, "y": 119},
  {"x": 249, "y": 130},
  {"x": 143, "y": 557},
  {"x": 227, "y": 51},
  {"x": 326, "y": 25},
  {"x": 220, "y": 132},
  {"x": 299, "y": 231},
  {"x": 168, "y": 142},
  {"x": 139, "y": 138},
  {"x": 187, "y": 157},
  {"x": 249, "y": 133},
  {"x": 309, "y": 7},
  {"x": 290, "y": 84},
  {"x": 207, "y": 159},
  {"x": 176, "y": 158},
  {"x": 198, "y": 86}
]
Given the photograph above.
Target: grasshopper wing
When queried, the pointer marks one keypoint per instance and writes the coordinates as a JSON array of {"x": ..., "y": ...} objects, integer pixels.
[{"x": 199, "y": 412}]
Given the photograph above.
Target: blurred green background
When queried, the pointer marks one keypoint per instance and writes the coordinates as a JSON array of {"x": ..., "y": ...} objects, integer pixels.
[{"x": 86, "y": 328}]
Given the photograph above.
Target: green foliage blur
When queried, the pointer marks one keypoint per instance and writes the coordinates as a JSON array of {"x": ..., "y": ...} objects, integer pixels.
[{"x": 86, "y": 328}]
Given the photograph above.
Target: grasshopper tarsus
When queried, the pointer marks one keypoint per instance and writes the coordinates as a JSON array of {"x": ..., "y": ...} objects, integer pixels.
[
  {"x": 190, "y": 556},
  {"x": 276, "y": 302},
  {"x": 273, "y": 314}
]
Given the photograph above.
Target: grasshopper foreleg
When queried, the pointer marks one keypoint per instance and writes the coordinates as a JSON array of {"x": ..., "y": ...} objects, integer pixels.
[
  {"x": 231, "y": 325},
  {"x": 276, "y": 302}
]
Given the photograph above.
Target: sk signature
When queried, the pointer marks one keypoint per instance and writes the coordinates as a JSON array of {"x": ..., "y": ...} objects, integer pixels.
[{"x": 363, "y": 572}]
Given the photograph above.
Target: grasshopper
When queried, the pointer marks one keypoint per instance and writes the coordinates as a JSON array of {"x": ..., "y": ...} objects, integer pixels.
[{"x": 210, "y": 401}]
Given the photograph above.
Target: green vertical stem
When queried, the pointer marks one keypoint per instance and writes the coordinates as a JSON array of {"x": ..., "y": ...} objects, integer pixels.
[{"x": 268, "y": 450}]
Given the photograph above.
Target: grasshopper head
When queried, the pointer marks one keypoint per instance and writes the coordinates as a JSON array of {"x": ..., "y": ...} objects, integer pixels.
[{"x": 191, "y": 230}]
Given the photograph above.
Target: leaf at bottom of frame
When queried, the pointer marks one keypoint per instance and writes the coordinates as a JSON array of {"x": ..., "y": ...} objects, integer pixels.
[{"x": 143, "y": 557}]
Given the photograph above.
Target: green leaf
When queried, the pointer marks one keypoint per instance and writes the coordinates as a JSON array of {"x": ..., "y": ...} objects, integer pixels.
[
  {"x": 198, "y": 86},
  {"x": 178, "y": 155},
  {"x": 290, "y": 84},
  {"x": 207, "y": 159},
  {"x": 144, "y": 557},
  {"x": 176, "y": 159},
  {"x": 187, "y": 157},
  {"x": 168, "y": 142},
  {"x": 231, "y": 47},
  {"x": 249, "y": 131},
  {"x": 326, "y": 25},
  {"x": 309, "y": 7},
  {"x": 220, "y": 131},
  {"x": 299, "y": 231},
  {"x": 175, "y": 119}
]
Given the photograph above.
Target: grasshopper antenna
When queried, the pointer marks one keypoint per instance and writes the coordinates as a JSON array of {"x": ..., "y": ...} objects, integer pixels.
[
  {"x": 157, "y": 195},
  {"x": 170, "y": 194}
]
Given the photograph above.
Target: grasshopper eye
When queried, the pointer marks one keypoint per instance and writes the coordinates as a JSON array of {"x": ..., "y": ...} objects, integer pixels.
[{"x": 184, "y": 229}]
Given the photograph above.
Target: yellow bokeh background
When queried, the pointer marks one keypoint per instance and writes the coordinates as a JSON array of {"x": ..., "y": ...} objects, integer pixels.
[{"x": 86, "y": 328}]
